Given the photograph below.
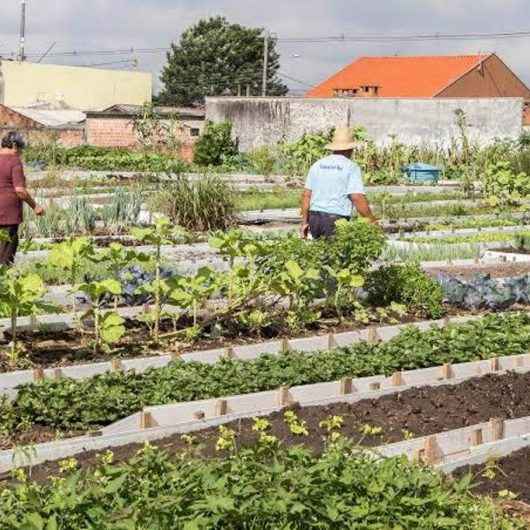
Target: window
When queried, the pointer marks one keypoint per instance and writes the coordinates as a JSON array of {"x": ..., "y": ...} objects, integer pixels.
[{"x": 194, "y": 131}]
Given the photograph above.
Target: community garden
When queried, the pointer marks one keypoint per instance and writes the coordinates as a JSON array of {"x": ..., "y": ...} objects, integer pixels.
[{"x": 173, "y": 355}]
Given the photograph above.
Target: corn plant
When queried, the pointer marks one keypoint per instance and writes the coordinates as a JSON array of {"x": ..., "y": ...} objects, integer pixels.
[
  {"x": 108, "y": 325},
  {"x": 20, "y": 294}
]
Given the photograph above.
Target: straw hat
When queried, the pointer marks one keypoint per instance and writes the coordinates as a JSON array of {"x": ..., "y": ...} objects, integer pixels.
[{"x": 342, "y": 140}]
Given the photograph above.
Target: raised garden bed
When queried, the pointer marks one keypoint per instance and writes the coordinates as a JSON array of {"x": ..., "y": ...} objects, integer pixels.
[{"x": 372, "y": 422}]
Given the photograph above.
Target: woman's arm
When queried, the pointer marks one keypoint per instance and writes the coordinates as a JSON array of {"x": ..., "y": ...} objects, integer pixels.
[{"x": 19, "y": 183}]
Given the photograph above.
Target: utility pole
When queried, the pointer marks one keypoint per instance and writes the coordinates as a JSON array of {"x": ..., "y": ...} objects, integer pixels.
[
  {"x": 265, "y": 62},
  {"x": 21, "y": 52}
]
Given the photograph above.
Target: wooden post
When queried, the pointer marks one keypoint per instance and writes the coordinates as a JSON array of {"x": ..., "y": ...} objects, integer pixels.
[
  {"x": 38, "y": 374},
  {"x": 221, "y": 407},
  {"x": 397, "y": 379},
  {"x": 519, "y": 361},
  {"x": 146, "y": 420},
  {"x": 497, "y": 429},
  {"x": 230, "y": 353},
  {"x": 285, "y": 346},
  {"x": 432, "y": 453},
  {"x": 198, "y": 415},
  {"x": 115, "y": 365},
  {"x": 447, "y": 371},
  {"x": 33, "y": 323},
  {"x": 373, "y": 336},
  {"x": 57, "y": 374},
  {"x": 494, "y": 364},
  {"x": 346, "y": 386},
  {"x": 332, "y": 341},
  {"x": 477, "y": 438},
  {"x": 283, "y": 396},
  {"x": 374, "y": 386}
]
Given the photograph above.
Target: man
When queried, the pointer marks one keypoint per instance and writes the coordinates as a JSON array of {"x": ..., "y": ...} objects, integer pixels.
[{"x": 333, "y": 187}]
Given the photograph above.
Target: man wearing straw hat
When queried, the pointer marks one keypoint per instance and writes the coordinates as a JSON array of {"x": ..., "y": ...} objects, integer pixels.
[{"x": 333, "y": 187}]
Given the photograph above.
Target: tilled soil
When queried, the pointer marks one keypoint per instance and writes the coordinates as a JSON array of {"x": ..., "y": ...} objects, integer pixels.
[
  {"x": 508, "y": 474},
  {"x": 495, "y": 270},
  {"x": 372, "y": 422}
]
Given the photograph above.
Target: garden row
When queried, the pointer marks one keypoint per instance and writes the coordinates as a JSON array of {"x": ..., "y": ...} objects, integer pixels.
[{"x": 68, "y": 406}]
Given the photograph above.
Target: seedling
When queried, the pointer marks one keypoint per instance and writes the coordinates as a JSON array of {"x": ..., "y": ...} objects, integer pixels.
[
  {"x": 370, "y": 430},
  {"x": 296, "y": 426},
  {"x": 332, "y": 423},
  {"x": 226, "y": 440}
]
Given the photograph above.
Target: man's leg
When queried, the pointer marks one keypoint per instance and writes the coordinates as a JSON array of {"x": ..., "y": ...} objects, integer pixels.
[{"x": 8, "y": 247}]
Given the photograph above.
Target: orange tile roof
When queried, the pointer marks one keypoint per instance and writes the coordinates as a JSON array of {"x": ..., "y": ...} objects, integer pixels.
[{"x": 420, "y": 76}]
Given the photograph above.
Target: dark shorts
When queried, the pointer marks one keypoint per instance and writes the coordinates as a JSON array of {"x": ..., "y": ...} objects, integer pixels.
[
  {"x": 8, "y": 248},
  {"x": 323, "y": 224}
]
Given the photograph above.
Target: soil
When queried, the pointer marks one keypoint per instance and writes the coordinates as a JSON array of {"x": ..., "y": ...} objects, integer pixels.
[
  {"x": 372, "y": 422},
  {"x": 510, "y": 473},
  {"x": 495, "y": 270},
  {"x": 56, "y": 349},
  {"x": 511, "y": 250}
]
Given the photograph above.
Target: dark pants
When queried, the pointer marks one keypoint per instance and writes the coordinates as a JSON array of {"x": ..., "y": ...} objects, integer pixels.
[
  {"x": 9, "y": 244},
  {"x": 323, "y": 224}
]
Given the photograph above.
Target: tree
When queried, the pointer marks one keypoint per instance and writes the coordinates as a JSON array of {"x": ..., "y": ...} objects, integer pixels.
[{"x": 216, "y": 58}]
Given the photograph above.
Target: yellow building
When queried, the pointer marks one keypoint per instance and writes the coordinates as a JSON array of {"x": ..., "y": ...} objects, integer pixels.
[{"x": 24, "y": 83}]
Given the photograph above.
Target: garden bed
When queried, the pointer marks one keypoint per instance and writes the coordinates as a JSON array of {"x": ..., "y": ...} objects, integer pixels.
[{"x": 372, "y": 422}]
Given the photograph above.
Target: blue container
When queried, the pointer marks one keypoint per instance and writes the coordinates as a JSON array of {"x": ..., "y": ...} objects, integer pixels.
[{"x": 422, "y": 173}]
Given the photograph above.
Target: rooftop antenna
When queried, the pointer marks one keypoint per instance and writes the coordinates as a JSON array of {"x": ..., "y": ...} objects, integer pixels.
[{"x": 21, "y": 53}]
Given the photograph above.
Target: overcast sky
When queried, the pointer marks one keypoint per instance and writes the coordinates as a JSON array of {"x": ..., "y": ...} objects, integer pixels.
[{"x": 111, "y": 24}]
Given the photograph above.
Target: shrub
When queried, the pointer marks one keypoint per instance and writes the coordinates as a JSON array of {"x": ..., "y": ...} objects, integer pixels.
[
  {"x": 204, "y": 204},
  {"x": 408, "y": 285},
  {"x": 297, "y": 157},
  {"x": 262, "y": 161},
  {"x": 215, "y": 145},
  {"x": 504, "y": 187}
]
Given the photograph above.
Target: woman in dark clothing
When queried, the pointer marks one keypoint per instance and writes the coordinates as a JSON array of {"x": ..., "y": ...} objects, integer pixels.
[{"x": 13, "y": 194}]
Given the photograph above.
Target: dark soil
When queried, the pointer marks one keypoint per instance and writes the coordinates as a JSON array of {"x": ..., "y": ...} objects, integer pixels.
[
  {"x": 511, "y": 250},
  {"x": 372, "y": 422},
  {"x": 510, "y": 473},
  {"x": 55, "y": 349},
  {"x": 495, "y": 270}
]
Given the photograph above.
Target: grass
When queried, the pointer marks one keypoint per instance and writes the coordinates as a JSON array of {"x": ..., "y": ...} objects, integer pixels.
[
  {"x": 480, "y": 237},
  {"x": 435, "y": 252}
]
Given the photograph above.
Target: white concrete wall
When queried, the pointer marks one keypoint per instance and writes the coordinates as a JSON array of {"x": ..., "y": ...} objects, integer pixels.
[{"x": 265, "y": 121}]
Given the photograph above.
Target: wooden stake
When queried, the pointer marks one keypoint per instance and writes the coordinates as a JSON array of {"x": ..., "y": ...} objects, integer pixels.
[
  {"x": 221, "y": 407},
  {"x": 284, "y": 396},
  {"x": 373, "y": 336},
  {"x": 477, "y": 438},
  {"x": 346, "y": 386},
  {"x": 146, "y": 420},
  {"x": 198, "y": 415},
  {"x": 332, "y": 341},
  {"x": 432, "y": 452},
  {"x": 447, "y": 371},
  {"x": 374, "y": 386},
  {"x": 497, "y": 429},
  {"x": 33, "y": 323},
  {"x": 519, "y": 361},
  {"x": 115, "y": 365},
  {"x": 397, "y": 379},
  {"x": 38, "y": 374},
  {"x": 57, "y": 374},
  {"x": 494, "y": 364},
  {"x": 230, "y": 353},
  {"x": 285, "y": 346}
]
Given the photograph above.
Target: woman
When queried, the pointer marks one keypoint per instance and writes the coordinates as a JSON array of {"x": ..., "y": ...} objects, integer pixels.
[{"x": 13, "y": 194}]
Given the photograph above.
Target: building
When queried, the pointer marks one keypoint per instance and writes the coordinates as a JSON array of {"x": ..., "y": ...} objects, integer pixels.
[
  {"x": 23, "y": 84},
  {"x": 460, "y": 76},
  {"x": 111, "y": 127},
  {"x": 42, "y": 123}
]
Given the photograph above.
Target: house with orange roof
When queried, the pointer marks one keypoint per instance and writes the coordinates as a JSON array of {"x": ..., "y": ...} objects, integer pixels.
[{"x": 458, "y": 76}]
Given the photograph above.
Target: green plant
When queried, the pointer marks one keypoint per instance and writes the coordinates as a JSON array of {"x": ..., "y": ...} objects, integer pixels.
[
  {"x": 408, "y": 285},
  {"x": 263, "y": 160},
  {"x": 296, "y": 426},
  {"x": 297, "y": 157},
  {"x": 207, "y": 203},
  {"x": 108, "y": 325},
  {"x": 20, "y": 294},
  {"x": 253, "y": 489},
  {"x": 69, "y": 256},
  {"x": 123, "y": 210},
  {"x": 503, "y": 187},
  {"x": 215, "y": 144}
]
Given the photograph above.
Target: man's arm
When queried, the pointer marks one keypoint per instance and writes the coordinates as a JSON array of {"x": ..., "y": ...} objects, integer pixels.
[
  {"x": 306, "y": 201},
  {"x": 360, "y": 202}
]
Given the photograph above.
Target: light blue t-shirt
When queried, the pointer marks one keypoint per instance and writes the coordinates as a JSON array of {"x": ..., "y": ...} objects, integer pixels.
[{"x": 331, "y": 181}]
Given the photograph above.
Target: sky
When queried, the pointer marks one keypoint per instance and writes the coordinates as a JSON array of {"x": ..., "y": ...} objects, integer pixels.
[{"x": 87, "y": 25}]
